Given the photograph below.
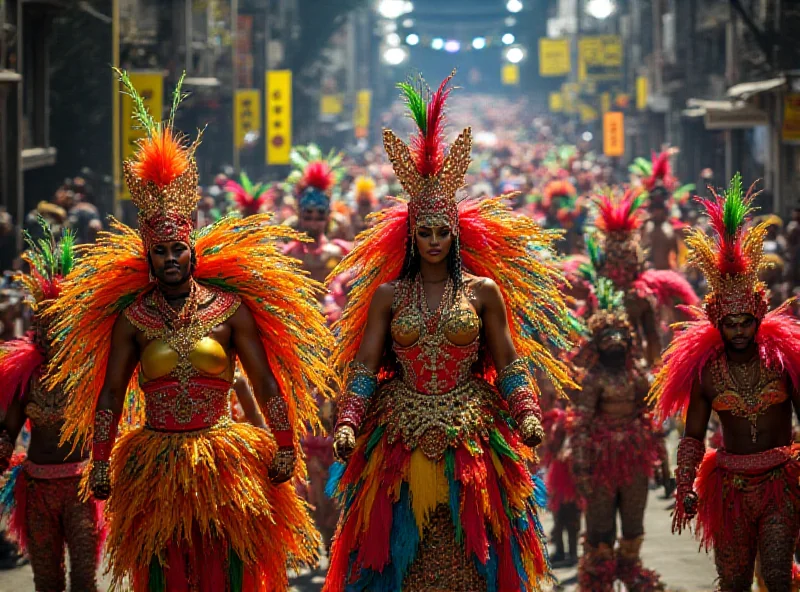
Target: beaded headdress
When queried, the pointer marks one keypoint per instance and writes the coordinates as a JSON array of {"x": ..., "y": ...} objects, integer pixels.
[
  {"x": 619, "y": 219},
  {"x": 429, "y": 177},
  {"x": 162, "y": 175},
  {"x": 731, "y": 260},
  {"x": 314, "y": 176},
  {"x": 249, "y": 197},
  {"x": 49, "y": 262},
  {"x": 607, "y": 303}
]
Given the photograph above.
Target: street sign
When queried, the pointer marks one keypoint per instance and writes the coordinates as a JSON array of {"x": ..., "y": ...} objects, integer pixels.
[
  {"x": 614, "y": 134},
  {"x": 331, "y": 104},
  {"x": 791, "y": 118},
  {"x": 246, "y": 114},
  {"x": 556, "y": 102},
  {"x": 554, "y": 57},
  {"x": 641, "y": 93},
  {"x": 150, "y": 86},
  {"x": 279, "y": 116},
  {"x": 361, "y": 113},
  {"x": 510, "y": 74},
  {"x": 600, "y": 57}
]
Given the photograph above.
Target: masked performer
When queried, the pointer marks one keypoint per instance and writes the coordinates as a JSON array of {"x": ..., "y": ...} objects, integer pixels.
[
  {"x": 743, "y": 362},
  {"x": 614, "y": 447},
  {"x": 42, "y": 493},
  {"x": 197, "y": 502},
  {"x": 440, "y": 408},
  {"x": 623, "y": 263}
]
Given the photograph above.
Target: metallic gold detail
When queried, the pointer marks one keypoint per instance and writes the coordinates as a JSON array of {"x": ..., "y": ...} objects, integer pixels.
[{"x": 103, "y": 421}]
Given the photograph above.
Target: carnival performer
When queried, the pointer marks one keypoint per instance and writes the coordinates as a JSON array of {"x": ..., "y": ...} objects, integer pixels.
[
  {"x": 250, "y": 198},
  {"x": 440, "y": 413},
  {"x": 743, "y": 362},
  {"x": 614, "y": 449},
  {"x": 365, "y": 203},
  {"x": 41, "y": 497},
  {"x": 623, "y": 262},
  {"x": 158, "y": 320}
]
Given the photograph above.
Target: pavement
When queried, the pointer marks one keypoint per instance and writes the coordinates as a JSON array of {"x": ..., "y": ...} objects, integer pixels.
[{"x": 676, "y": 558}]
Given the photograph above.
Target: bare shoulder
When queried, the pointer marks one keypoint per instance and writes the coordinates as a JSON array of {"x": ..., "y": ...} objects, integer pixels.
[
  {"x": 384, "y": 296},
  {"x": 485, "y": 290},
  {"x": 707, "y": 382}
]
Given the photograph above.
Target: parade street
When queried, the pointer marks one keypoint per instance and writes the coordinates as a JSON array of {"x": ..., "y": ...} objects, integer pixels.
[{"x": 674, "y": 557}]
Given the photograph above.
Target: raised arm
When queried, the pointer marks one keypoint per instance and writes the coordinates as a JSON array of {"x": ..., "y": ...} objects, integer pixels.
[
  {"x": 122, "y": 361},
  {"x": 250, "y": 350},
  {"x": 361, "y": 381},
  {"x": 514, "y": 380}
]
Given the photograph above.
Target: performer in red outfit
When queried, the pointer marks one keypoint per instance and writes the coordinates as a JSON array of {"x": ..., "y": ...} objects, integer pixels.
[{"x": 743, "y": 362}]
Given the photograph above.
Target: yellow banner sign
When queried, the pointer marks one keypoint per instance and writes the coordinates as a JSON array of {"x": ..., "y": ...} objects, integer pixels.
[
  {"x": 570, "y": 92},
  {"x": 554, "y": 57},
  {"x": 150, "y": 85},
  {"x": 588, "y": 113},
  {"x": 331, "y": 104},
  {"x": 641, "y": 93},
  {"x": 279, "y": 116},
  {"x": 791, "y": 118},
  {"x": 600, "y": 57},
  {"x": 614, "y": 134},
  {"x": 605, "y": 102},
  {"x": 247, "y": 115},
  {"x": 361, "y": 113},
  {"x": 555, "y": 102},
  {"x": 510, "y": 74}
]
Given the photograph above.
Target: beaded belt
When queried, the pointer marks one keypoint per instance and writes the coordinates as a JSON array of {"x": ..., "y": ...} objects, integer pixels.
[
  {"x": 435, "y": 422},
  {"x": 60, "y": 471},
  {"x": 761, "y": 461},
  {"x": 173, "y": 407}
]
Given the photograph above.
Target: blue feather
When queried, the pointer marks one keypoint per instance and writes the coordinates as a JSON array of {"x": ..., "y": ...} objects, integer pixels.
[
  {"x": 335, "y": 474},
  {"x": 7, "y": 503},
  {"x": 405, "y": 536}
]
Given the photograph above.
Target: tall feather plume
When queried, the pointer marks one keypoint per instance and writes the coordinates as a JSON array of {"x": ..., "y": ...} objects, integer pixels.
[
  {"x": 728, "y": 213},
  {"x": 619, "y": 215}
]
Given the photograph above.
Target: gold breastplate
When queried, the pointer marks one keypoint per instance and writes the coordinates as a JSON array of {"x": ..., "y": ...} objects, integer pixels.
[{"x": 207, "y": 357}]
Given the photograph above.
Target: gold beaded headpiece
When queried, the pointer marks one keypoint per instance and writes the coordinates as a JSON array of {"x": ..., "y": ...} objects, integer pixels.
[
  {"x": 162, "y": 176},
  {"x": 731, "y": 261},
  {"x": 429, "y": 177}
]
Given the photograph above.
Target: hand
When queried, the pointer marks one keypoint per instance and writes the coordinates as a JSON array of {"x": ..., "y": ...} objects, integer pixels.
[
  {"x": 344, "y": 442},
  {"x": 282, "y": 467},
  {"x": 100, "y": 480},
  {"x": 690, "y": 501},
  {"x": 531, "y": 430}
]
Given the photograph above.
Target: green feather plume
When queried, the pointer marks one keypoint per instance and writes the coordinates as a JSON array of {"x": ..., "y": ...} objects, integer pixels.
[
  {"x": 416, "y": 104},
  {"x": 608, "y": 297},
  {"x": 737, "y": 206},
  {"x": 66, "y": 252},
  {"x": 140, "y": 112}
]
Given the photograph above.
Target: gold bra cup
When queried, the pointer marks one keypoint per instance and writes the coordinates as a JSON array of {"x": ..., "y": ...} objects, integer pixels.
[
  {"x": 208, "y": 357},
  {"x": 462, "y": 327},
  {"x": 406, "y": 329}
]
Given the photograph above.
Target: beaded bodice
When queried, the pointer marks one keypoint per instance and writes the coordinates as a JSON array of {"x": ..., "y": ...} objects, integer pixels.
[
  {"x": 436, "y": 351},
  {"x": 45, "y": 407}
]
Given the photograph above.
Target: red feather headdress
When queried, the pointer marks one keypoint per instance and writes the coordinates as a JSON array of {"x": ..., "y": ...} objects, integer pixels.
[{"x": 661, "y": 173}]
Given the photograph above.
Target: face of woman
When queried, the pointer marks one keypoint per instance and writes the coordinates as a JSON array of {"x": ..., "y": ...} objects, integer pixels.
[{"x": 433, "y": 243}]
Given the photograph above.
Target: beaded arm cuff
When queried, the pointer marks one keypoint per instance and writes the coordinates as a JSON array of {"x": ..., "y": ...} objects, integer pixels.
[
  {"x": 690, "y": 455},
  {"x": 514, "y": 384},
  {"x": 277, "y": 414},
  {"x": 105, "y": 433},
  {"x": 361, "y": 385},
  {"x": 6, "y": 449}
]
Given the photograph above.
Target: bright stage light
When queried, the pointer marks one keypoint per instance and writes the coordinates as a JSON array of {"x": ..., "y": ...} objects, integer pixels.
[
  {"x": 412, "y": 39},
  {"x": 515, "y": 55},
  {"x": 510, "y": 21},
  {"x": 394, "y": 56},
  {"x": 479, "y": 42},
  {"x": 452, "y": 46},
  {"x": 408, "y": 23},
  {"x": 392, "y": 9},
  {"x": 508, "y": 39},
  {"x": 601, "y": 9},
  {"x": 393, "y": 40},
  {"x": 514, "y": 5},
  {"x": 437, "y": 43}
]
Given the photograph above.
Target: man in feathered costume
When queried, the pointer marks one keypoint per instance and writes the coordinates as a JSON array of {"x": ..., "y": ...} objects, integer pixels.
[
  {"x": 451, "y": 305},
  {"x": 562, "y": 211},
  {"x": 743, "y": 362},
  {"x": 622, "y": 260},
  {"x": 149, "y": 329},
  {"x": 614, "y": 448},
  {"x": 41, "y": 497}
]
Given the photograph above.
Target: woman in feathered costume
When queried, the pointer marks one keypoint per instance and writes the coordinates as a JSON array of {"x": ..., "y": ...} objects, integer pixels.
[
  {"x": 440, "y": 413},
  {"x": 159, "y": 319},
  {"x": 743, "y": 362},
  {"x": 622, "y": 260},
  {"x": 42, "y": 496}
]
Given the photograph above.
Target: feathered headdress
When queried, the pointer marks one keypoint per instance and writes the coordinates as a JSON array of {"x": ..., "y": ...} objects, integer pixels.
[
  {"x": 364, "y": 190},
  {"x": 314, "y": 176},
  {"x": 558, "y": 188},
  {"x": 49, "y": 262},
  {"x": 655, "y": 172},
  {"x": 731, "y": 260},
  {"x": 429, "y": 177},
  {"x": 607, "y": 303},
  {"x": 618, "y": 219},
  {"x": 162, "y": 175},
  {"x": 248, "y": 197}
]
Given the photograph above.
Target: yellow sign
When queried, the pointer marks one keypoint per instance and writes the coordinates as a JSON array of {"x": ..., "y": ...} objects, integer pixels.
[
  {"x": 150, "y": 85},
  {"x": 279, "y": 116},
  {"x": 605, "y": 102},
  {"x": 331, "y": 104},
  {"x": 510, "y": 74},
  {"x": 556, "y": 102},
  {"x": 361, "y": 113},
  {"x": 791, "y": 118},
  {"x": 588, "y": 113},
  {"x": 246, "y": 114},
  {"x": 614, "y": 134},
  {"x": 570, "y": 92},
  {"x": 641, "y": 93},
  {"x": 600, "y": 57},
  {"x": 554, "y": 57}
]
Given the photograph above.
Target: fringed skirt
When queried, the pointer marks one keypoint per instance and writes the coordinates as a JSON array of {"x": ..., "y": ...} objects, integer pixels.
[
  {"x": 466, "y": 520},
  {"x": 196, "y": 511}
]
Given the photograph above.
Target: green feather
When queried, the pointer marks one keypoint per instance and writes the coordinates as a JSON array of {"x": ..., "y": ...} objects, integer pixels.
[
  {"x": 67, "y": 255},
  {"x": 140, "y": 112},
  {"x": 736, "y": 208},
  {"x": 235, "y": 571},
  {"x": 247, "y": 185},
  {"x": 177, "y": 97},
  {"x": 416, "y": 104},
  {"x": 156, "y": 582},
  {"x": 608, "y": 297}
]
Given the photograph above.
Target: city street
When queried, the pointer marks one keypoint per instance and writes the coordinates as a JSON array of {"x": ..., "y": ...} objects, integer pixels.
[{"x": 675, "y": 558}]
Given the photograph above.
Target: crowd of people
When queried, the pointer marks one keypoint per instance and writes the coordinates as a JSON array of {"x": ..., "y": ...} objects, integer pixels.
[{"x": 363, "y": 359}]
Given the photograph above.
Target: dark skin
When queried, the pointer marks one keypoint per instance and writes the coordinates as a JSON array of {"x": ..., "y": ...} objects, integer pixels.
[
  {"x": 774, "y": 426},
  {"x": 433, "y": 245},
  {"x": 640, "y": 312},
  {"x": 171, "y": 264},
  {"x": 314, "y": 222}
]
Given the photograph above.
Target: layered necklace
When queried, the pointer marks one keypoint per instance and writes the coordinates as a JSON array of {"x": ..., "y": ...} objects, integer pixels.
[{"x": 433, "y": 317}]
